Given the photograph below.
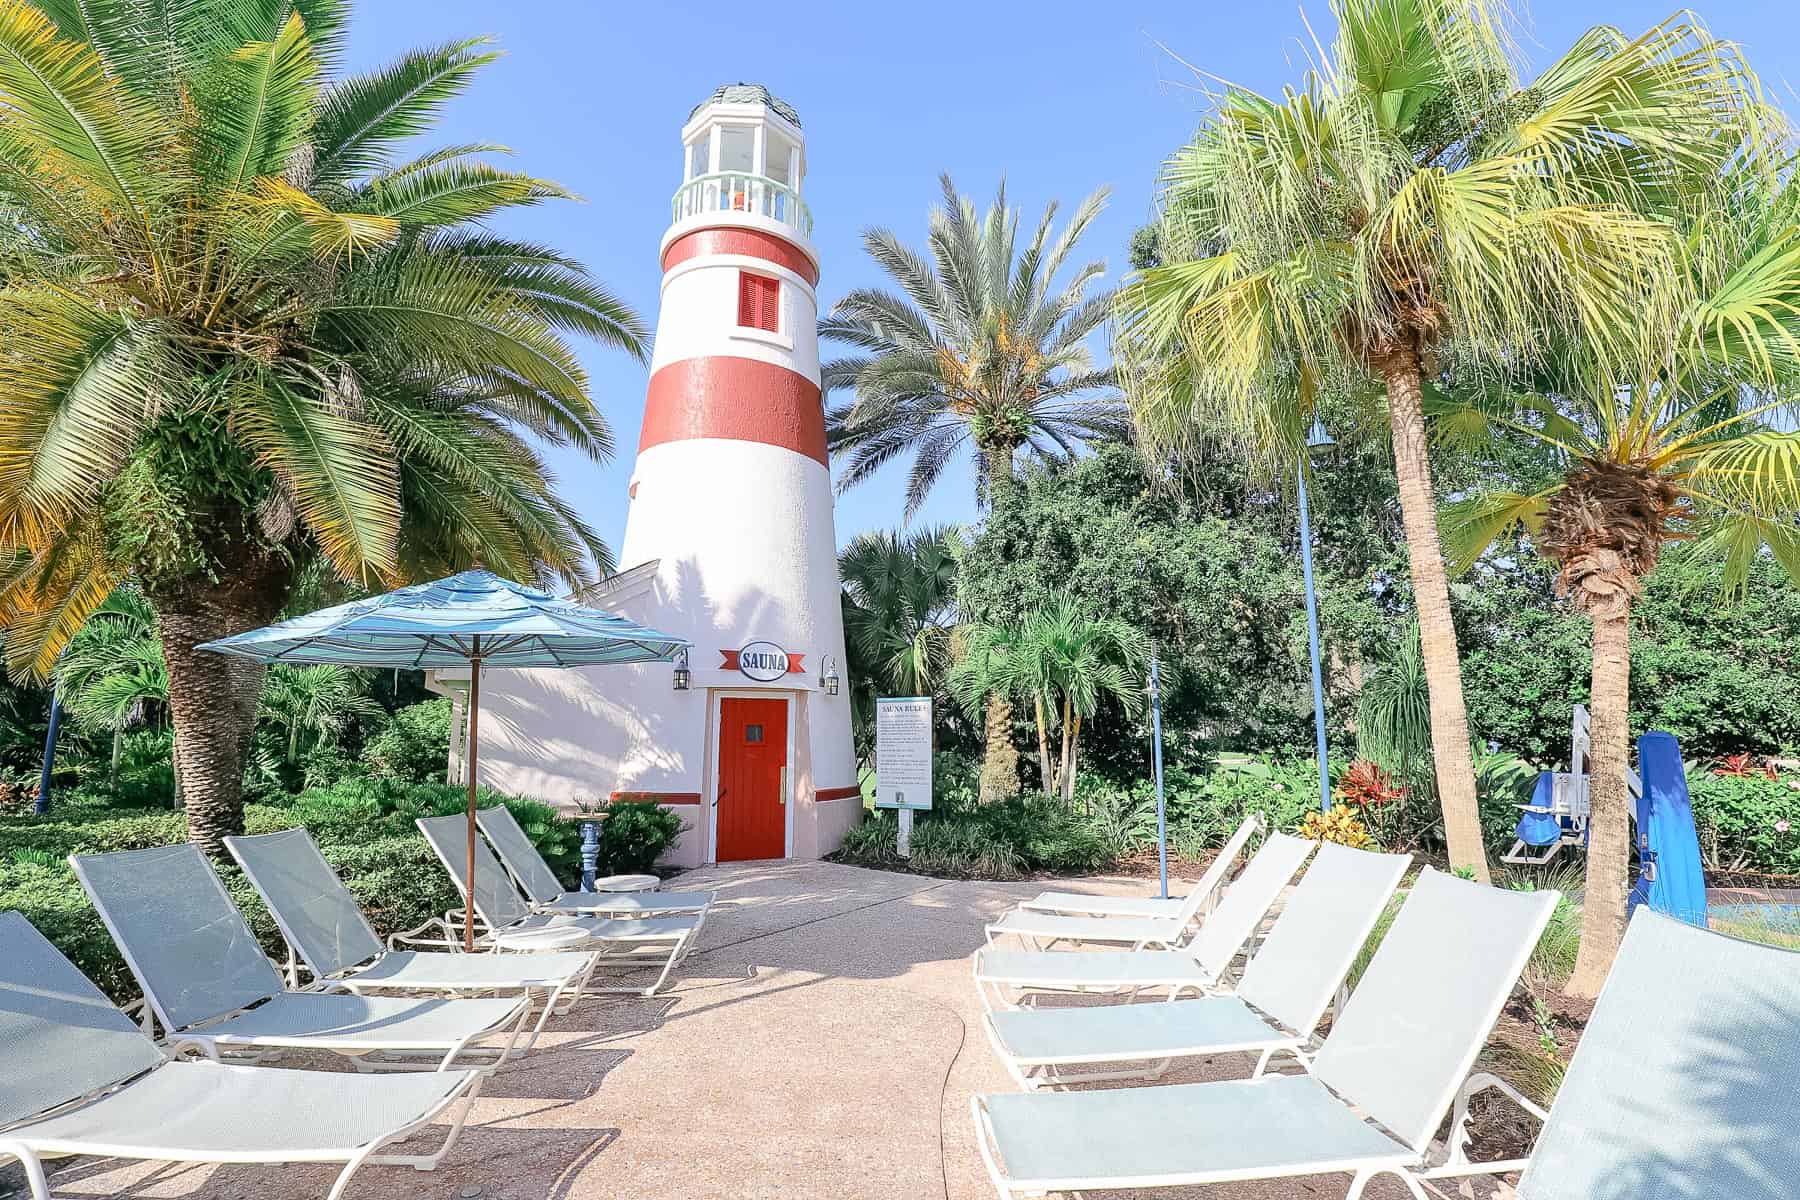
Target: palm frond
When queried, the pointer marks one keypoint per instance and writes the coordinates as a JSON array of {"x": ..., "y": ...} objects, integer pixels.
[{"x": 363, "y": 118}]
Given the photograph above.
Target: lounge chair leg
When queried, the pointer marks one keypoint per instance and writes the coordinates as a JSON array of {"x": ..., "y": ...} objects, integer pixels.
[
  {"x": 1364, "y": 1176},
  {"x": 350, "y": 1168},
  {"x": 34, "y": 1169}
]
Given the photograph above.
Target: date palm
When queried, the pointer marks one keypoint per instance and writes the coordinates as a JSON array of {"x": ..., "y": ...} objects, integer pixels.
[
  {"x": 981, "y": 347},
  {"x": 1695, "y": 445},
  {"x": 1411, "y": 210},
  {"x": 239, "y": 331}
]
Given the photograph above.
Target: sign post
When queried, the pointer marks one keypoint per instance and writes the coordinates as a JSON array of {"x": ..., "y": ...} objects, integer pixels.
[{"x": 903, "y": 760}]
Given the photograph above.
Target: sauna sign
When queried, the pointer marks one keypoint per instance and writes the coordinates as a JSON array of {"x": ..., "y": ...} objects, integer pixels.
[
  {"x": 903, "y": 752},
  {"x": 764, "y": 662}
]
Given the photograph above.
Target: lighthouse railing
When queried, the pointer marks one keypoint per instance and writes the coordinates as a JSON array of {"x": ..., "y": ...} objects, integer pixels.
[{"x": 727, "y": 191}]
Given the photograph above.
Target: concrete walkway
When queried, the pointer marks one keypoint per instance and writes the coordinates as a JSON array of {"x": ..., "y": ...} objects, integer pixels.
[{"x": 823, "y": 1043}]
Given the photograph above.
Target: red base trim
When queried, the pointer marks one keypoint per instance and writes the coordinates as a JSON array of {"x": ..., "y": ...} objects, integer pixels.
[
  {"x": 841, "y": 793},
  {"x": 752, "y": 243},
  {"x": 744, "y": 399},
  {"x": 658, "y": 797}
]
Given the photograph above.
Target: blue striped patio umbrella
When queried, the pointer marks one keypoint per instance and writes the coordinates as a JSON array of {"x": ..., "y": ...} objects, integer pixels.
[{"x": 468, "y": 620}]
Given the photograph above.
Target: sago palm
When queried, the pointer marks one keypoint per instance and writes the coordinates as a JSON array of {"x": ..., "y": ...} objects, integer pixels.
[
  {"x": 981, "y": 347},
  {"x": 1696, "y": 445},
  {"x": 239, "y": 331},
  {"x": 1412, "y": 209}
]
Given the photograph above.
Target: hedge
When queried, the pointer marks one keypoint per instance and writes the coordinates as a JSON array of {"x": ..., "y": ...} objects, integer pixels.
[{"x": 363, "y": 827}]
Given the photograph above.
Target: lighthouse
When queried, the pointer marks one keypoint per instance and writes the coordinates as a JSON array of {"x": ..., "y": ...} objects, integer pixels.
[{"x": 729, "y": 536}]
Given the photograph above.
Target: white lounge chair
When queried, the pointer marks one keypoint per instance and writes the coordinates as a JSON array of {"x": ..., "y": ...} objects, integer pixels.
[
  {"x": 211, "y": 990},
  {"x": 545, "y": 892},
  {"x": 1199, "y": 964},
  {"x": 506, "y": 921},
  {"x": 1687, "y": 1077},
  {"x": 327, "y": 934},
  {"x": 77, "y": 1077},
  {"x": 1276, "y": 1006},
  {"x": 1083, "y": 904},
  {"x": 1397, "y": 1058}
]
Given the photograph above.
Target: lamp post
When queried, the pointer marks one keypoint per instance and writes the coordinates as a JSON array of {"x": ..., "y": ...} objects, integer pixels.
[
  {"x": 1162, "y": 814},
  {"x": 1316, "y": 439}
]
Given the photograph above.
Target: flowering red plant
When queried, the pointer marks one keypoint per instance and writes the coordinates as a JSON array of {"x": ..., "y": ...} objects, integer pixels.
[
  {"x": 1738, "y": 766},
  {"x": 1366, "y": 785}
]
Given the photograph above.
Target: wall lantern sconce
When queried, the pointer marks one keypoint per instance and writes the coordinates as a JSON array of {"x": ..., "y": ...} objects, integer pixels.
[
  {"x": 828, "y": 675},
  {"x": 682, "y": 675}
]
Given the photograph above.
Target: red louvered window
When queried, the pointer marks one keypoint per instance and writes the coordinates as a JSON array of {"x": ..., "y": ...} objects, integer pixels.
[{"x": 759, "y": 302}]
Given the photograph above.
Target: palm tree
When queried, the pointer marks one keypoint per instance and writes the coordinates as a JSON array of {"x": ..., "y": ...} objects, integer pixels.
[
  {"x": 1696, "y": 445},
  {"x": 899, "y": 604},
  {"x": 1068, "y": 660},
  {"x": 112, "y": 672},
  {"x": 899, "y": 607},
  {"x": 1413, "y": 208},
  {"x": 981, "y": 347},
  {"x": 320, "y": 700},
  {"x": 239, "y": 332}
]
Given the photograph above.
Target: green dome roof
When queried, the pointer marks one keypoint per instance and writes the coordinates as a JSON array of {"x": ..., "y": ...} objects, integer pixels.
[{"x": 749, "y": 93}]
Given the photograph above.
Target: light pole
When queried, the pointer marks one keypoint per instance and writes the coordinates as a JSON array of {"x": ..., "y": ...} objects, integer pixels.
[
  {"x": 1316, "y": 439},
  {"x": 1162, "y": 813}
]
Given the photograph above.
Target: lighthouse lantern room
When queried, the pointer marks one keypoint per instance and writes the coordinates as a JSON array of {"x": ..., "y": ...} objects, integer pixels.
[{"x": 729, "y": 537}]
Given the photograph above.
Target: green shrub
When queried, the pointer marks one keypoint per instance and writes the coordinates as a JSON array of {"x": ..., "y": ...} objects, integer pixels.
[
  {"x": 1747, "y": 822},
  {"x": 364, "y": 828},
  {"x": 634, "y": 835},
  {"x": 957, "y": 849},
  {"x": 415, "y": 745}
]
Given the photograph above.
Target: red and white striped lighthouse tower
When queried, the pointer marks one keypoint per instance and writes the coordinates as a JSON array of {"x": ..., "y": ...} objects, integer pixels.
[
  {"x": 729, "y": 539},
  {"x": 731, "y": 494}
]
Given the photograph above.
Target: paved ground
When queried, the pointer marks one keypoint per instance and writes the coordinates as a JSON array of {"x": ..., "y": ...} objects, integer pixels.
[{"x": 823, "y": 1043}]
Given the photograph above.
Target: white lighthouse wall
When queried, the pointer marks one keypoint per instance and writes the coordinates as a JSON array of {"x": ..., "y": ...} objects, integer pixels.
[
  {"x": 728, "y": 575},
  {"x": 704, "y": 291}
]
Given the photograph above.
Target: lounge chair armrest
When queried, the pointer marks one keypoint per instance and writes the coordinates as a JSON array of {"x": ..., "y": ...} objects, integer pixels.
[
  {"x": 417, "y": 936},
  {"x": 1455, "y": 1156}
]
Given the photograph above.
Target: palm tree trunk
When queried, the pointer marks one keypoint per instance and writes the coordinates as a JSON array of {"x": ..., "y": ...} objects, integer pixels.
[
  {"x": 1609, "y": 825},
  {"x": 208, "y": 692},
  {"x": 1045, "y": 778},
  {"x": 999, "y": 758},
  {"x": 1403, "y": 374},
  {"x": 1075, "y": 745},
  {"x": 1062, "y": 771}
]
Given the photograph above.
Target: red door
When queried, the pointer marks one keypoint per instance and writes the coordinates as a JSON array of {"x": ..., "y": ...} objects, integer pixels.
[{"x": 752, "y": 754}]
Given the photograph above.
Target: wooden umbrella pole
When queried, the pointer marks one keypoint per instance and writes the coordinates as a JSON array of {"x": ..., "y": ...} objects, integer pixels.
[{"x": 474, "y": 758}]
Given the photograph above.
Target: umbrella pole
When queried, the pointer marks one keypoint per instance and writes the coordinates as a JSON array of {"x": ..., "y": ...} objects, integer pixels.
[{"x": 474, "y": 752}]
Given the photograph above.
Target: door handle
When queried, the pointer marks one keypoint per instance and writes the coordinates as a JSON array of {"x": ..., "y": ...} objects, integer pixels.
[{"x": 720, "y": 796}]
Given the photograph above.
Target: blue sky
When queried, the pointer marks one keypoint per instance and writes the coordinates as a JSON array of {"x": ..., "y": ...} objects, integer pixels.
[{"x": 1059, "y": 98}]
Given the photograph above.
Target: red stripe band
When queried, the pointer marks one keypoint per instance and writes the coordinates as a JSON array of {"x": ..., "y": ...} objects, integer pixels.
[
  {"x": 744, "y": 399},
  {"x": 843, "y": 793},
  {"x": 657, "y": 797},
  {"x": 753, "y": 243}
]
